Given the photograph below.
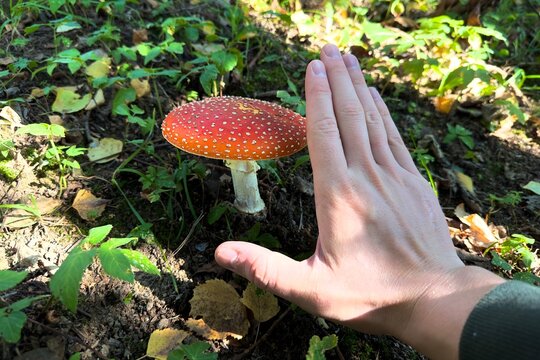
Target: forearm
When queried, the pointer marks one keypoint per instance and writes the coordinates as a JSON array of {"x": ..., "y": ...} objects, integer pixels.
[{"x": 439, "y": 316}]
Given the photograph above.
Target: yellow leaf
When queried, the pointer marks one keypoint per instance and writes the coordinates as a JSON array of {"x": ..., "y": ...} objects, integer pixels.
[
  {"x": 263, "y": 304},
  {"x": 10, "y": 115},
  {"x": 99, "y": 68},
  {"x": 218, "y": 304},
  {"x": 68, "y": 101},
  {"x": 481, "y": 231},
  {"x": 200, "y": 328},
  {"x": 444, "y": 104},
  {"x": 105, "y": 150},
  {"x": 99, "y": 99},
  {"x": 162, "y": 342},
  {"x": 142, "y": 87},
  {"x": 88, "y": 206},
  {"x": 37, "y": 93},
  {"x": 465, "y": 181},
  {"x": 56, "y": 119}
]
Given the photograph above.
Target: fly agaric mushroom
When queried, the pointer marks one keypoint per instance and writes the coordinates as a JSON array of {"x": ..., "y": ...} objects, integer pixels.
[{"x": 239, "y": 131}]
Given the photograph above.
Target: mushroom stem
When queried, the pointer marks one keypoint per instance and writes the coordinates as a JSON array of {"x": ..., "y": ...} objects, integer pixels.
[{"x": 246, "y": 187}]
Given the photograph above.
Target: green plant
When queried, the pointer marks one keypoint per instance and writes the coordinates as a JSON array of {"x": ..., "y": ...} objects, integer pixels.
[
  {"x": 197, "y": 350},
  {"x": 116, "y": 262},
  {"x": 12, "y": 317},
  {"x": 515, "y": 255},
  {"x": 458, "y": 132},
  {"x": 318, "y": 346},
  {"x": 61, "y": 157},
  {"x": 265, "y": 239},
  {"x": 513, "y": 198}
]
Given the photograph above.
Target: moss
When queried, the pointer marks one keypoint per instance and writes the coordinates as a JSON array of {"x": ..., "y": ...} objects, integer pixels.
[{"x": 265, "y": 78}]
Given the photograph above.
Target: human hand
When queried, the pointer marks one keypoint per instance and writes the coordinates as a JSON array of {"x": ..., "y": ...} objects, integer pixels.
[{"x": 384, "y": 251}]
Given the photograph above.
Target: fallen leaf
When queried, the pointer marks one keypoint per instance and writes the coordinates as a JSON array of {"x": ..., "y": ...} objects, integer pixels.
[
  {"x": 10, "y": 115},
  {"x": 56, "y": 119},
  {"x": 99, "y": 68},
  {"x": 37, "y": 93},
  {"x": 162, "y": 342},
  {"x": 142, "y": 87},
  {"x": 444, "y": 104},
  {"x": 139, "y": 35},
  {"x": 20, "y": 218},
  {"x": 263, "y": 304},
  {"x": 465, "y": 181},
  {"x": 105, "y": 150},
  {"x": 7, "y": 60},
  {"x": 200, "y": 328},
  {"x": 68, "y": 101},
  {"x": 98, "y": 99},
  {"x": 482, "y": 235},
  {"x": 533, "y": 186},
  {"x": 88, "y": 206},
  {"x": 219, "y": 305}
]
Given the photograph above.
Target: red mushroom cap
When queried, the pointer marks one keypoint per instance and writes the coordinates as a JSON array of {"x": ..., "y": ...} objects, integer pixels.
[{"x": 235, "y": 128}]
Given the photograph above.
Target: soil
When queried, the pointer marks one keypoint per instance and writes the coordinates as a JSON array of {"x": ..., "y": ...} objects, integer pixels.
[{"x": 115, "y": 318}]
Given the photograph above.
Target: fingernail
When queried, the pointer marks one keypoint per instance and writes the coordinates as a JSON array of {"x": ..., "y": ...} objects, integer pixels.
[
  {"x": 318, "y": 69},
  {"x": 331, "y": 51},
  {"x": 351, "y": 62},
  {"x": 375, "y": 93},
  {"x": 227, "y": 257}
]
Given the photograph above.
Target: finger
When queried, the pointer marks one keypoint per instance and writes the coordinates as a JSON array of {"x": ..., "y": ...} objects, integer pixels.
[
  {"x": 267, "y": 269},
  {"x": 347, "y": 108},
  {"x": 378, "y": 139},
  {"x": 324, "y": 141},
  {"x": 395, "y": 141}
]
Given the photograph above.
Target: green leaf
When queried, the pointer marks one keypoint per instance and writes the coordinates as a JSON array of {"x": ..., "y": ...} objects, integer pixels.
[
  {"x": 140, "y": 261},
  {"x": 225, "y": 61},
  {"x": 97, "y": 234},
  {"x": 152, "y": 54},
  {"x": 11, "y": 324},
  {"x": 10, "y": 278},
  {"x": 527, "y": 276},
  {"x": 66, "y": 281},
  {"x": 175, "y": 48},
  {"x": 216, "y": 213},
  {"x": 68, "y": 26},
  {"x": 121, "y": 100},
  {"x": 208, "y": 77},
  {"x": 76, "y": 356},
  {"x": 318, "y": 346},
  {"x": 26, "y": 302},
  {"x": 497, "y": 260},
  {"x": 42, "y": 129},
  {"x": 533, "y": 186},
  {"x": 68, "y": 101},
  {"x": 54, "y": 5},
  {"x": 195, "y": 351},
  {"x": 116, "y": 264},
  {"x": 113, "y": 243}
]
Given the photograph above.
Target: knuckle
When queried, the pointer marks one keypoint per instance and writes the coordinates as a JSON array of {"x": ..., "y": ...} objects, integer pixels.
[
  {"x": 351, "y": 110},
  {"x": 373, "y": 117},
  {"x": 326, "y": 125}
]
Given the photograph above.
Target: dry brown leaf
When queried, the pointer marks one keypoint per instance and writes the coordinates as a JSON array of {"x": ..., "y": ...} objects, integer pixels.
[
  {"x": 56, "y": 119},
  {"x": 104, "y": 150},
  {"x": 481, "y": 234},
  {"x": 200, "y": 328},
  {"x": 20, "y": 218},
  {"x": 162, "y": 342},
  {"x": 37, "y": 93},
  {"x": 98, "y": 99},
  {"x": 219, "y": 305},
  {"x": 263, "y": 304},
  {"x": 10, "y": 115},
  {"x": 139, "y": 35},
  {"x": 88, "y": 206}
]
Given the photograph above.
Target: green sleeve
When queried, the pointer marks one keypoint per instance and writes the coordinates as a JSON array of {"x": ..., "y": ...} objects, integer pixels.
[{"x": 505, "y": 324}]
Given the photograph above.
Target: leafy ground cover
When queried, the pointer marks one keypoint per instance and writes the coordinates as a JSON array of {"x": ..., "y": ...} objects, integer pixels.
[{"x": 108, "y": 232}]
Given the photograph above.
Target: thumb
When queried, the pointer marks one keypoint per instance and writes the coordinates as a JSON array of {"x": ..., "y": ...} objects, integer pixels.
[{"x": 268, "y": 270}]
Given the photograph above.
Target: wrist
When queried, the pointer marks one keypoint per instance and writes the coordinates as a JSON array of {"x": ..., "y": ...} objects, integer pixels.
[{"x": 439, "y": 314}]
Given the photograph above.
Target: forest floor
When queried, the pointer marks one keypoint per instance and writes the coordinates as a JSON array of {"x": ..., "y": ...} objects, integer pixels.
[{"x": 114, "y": 318}]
